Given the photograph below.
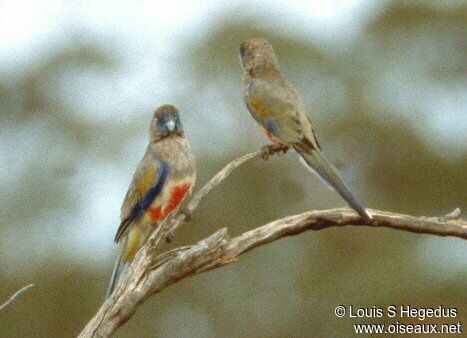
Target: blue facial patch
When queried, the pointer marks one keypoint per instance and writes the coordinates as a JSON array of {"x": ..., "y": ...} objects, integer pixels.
[
  {"x": 178, "y": 125},
  {"x": 163, "y": 118}
]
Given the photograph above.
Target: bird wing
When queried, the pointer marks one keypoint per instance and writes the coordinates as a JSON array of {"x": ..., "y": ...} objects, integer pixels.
[
  {"x": 280, "y": 110},
  {"x": 147, "y": 184},
  {"x": 273, "y": 106}
]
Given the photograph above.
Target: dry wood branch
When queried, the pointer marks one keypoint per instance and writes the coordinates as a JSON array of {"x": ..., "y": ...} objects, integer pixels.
[
  {"x": 168, "y": 229},
  {"x": 151, "y": 273},
  {"x": 16, "y": 294}
]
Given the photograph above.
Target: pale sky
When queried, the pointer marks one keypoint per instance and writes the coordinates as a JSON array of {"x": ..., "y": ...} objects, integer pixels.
[{"x": 143, "y": 30}]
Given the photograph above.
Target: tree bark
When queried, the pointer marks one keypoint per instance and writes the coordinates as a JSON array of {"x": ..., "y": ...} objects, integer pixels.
[{"x": 151, "y": 272}]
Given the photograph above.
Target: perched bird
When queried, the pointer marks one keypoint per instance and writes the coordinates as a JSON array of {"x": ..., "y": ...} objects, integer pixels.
[
  {"x": 278, "y": 108},
  {"x": 164, "y": 177}
]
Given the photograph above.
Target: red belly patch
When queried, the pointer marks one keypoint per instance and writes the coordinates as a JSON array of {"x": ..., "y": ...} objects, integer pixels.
[
  {"x": 155, "y": 214},
  {"x": 176, "y": 196},
  {"x": 268, "y": 134}
]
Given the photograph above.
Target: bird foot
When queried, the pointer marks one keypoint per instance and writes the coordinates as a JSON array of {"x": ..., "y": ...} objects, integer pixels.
[
  {"x": 187, "y": 213},
  {"x": 171, "y": 233},
  {"x": 170, "y": 236},
  {"x": 271, "y": 149}
]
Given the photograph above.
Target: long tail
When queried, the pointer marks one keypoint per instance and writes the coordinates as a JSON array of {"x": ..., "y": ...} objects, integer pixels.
[
  {"x": 316, "y": 160},
  {"x": 119, "y": 271},
  {"x": 130, "y": 244}
]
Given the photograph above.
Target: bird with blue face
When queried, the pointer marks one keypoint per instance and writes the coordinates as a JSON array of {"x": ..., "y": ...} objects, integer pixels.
[
  {"x": 276, "y": 105},
  {"x": 164, "y": 177}
]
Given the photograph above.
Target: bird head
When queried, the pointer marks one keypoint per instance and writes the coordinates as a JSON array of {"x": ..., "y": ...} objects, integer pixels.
[
  {"x": 165, "y": 122},
  {"x": 257, "y": 56}
]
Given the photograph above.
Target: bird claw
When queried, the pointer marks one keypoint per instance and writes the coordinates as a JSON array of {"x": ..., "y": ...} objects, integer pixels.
[
  {"x": 169, "y": 237},
  {"x": 283, "y": 149},
  {"x": 270, "y": 149},
  {"x": 171, "y": 233},
  {"x": 187, "y": 213}
]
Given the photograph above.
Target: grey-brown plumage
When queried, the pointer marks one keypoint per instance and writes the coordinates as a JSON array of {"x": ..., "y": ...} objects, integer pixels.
[
  {"x": 164, "y": 177},
  {"x": 276, "y": 105}
]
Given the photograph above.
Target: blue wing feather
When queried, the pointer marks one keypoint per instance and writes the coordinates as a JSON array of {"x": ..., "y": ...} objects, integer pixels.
[
  {"x": 270, "y": 125},
  {"x": 145, "y": 202},
  {"x": 162, "y": 172}
]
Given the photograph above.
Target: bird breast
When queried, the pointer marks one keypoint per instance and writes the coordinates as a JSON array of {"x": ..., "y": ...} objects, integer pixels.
[{"x": 176, "y": 152}]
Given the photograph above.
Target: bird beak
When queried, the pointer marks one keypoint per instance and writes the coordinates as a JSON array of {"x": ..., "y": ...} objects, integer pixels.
[{"x": 170, "y": 125}]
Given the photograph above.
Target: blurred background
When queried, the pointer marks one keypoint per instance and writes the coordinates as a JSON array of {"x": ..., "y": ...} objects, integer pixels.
[{"x": 385, "y": 82}]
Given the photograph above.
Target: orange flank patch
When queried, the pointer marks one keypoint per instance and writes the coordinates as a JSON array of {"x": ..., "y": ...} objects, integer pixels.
[
  {"x": 268, "y": 134},
  {"x": 176, "y": 196},
  {"x": 154, "y": 214},
  {"x": 260, "y": 109}
]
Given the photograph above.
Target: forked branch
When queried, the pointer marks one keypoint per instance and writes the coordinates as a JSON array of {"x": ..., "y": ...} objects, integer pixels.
[{"x": 150, "y": 272}]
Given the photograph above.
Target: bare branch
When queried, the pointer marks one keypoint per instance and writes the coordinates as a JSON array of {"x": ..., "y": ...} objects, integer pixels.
[
  {"x": 168, "y": 229},
  {"x": 150, "y": 273},
  {"x": 16, "y": 294},
  {"x": 455, "y": 214}
]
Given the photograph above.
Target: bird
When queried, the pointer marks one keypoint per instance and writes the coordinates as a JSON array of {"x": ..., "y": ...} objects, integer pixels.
[
  {"x": 277, "y": 106},
  {"x": 163, "y": 179}
]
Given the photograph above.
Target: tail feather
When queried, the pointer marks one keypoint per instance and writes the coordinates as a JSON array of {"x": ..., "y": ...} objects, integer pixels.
[
  {"x": 316, "y": 160},
  {"x": 130, "y": 244},
  {"x": 118, "y": 272}
]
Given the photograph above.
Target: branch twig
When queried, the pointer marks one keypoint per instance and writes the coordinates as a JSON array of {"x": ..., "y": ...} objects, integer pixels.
[
  {"x": 168, "y": 229},
  {"x": 181, "y": 217},
  {"x": 16, "y": 294},
  {"x": 150, "y": 273}
]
